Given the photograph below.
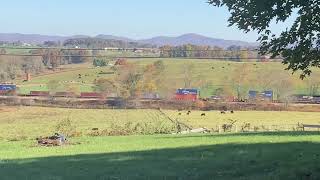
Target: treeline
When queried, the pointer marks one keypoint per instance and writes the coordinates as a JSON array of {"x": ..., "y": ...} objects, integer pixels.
[
  {"x": 12, "y": 68},
  {"x": 102, "y": 43},
  {"x": 233, "y": 53},
  {"x": 17, "y": 43},
  {"x": 53, "y": 58}
]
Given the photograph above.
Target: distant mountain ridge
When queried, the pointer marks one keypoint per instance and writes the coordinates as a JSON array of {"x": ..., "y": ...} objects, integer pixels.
[
  {"x": 191, "y": 38},
  {"x": 195, "y": 39}
]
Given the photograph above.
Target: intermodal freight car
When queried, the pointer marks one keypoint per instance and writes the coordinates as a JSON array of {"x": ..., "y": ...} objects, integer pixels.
[
  {"x": 260, "y": 96},
  {"x": 187, "y": 94},
  {"x": 65, "y": 94},
  {"x": 7, "y": 89},
  {"x": 90, "y": 95},
  {"x": 305, "y": 99},
  {"x": 39, "y": 93}
]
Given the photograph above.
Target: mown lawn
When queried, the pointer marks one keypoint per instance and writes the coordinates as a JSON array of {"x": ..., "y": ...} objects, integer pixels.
[{"x": 228, "y": 156}]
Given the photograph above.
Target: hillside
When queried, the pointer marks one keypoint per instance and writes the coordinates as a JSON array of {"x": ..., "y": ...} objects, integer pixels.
[
  {"x": 34, "y": 38},
  {"x": 194, "y": 39},
  {"x": 208, "y": 75}
]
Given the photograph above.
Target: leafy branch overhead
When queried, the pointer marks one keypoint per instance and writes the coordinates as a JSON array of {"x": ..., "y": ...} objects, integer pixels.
[{"x": 298, "y": 45}]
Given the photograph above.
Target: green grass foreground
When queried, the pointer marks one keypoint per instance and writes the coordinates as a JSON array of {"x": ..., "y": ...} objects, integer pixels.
[{"x": 243, "y": 156}]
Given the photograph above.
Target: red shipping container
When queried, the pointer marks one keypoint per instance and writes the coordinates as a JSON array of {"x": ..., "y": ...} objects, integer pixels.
[
  {"x": 90, "y": 95},
  {"x": 186, "y": 97},
  {"x": 65, "y": 94},
  {"x": 39, "y": 93}
]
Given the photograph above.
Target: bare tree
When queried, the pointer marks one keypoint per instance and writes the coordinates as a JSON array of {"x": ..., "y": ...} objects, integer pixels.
[
  {"x": 313, "y": 84},
  {"x": 188, "y": 72},
  {"x": 240, "y": 79}
]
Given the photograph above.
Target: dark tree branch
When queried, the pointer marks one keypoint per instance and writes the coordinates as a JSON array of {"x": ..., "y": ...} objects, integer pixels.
[{"x": 298, "y": 45}]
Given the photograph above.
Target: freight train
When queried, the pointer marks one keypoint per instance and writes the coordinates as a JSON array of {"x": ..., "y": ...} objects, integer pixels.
[
  {"x": 92, "y": 95},
  {"x": 7, "y": 89}
]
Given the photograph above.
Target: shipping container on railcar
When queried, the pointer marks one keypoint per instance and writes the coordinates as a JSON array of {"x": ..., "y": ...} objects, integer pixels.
[
  {"x": 7, "y": 89},
  {"x": 65, "y": 94},
  {"x": 91, "y": 95},
  {"x": 187, "y": 94},
  {"x": 40, "y": 93}
]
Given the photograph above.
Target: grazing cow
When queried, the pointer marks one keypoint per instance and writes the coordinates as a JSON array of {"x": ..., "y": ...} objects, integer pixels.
[
  {"x": 95, "y": 129},
  {"x": 224, "y": 108},
  {"x": 232, "y": 111},
  {"x": 223, "y": 112},
  {"x": 203, "y": 114}
]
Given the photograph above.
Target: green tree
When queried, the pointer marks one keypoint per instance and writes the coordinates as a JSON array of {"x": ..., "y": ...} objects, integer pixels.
[
  {"x": 3, "y": 51},
  {"x": 100, "y": 62},
  {"x": 244, "y": 56},
  {"x": 299, "y": 44},
  {"x": 160, "y": 66},
  {"x": 128, "y": 80},
  {"x": 106, "y": 86}
]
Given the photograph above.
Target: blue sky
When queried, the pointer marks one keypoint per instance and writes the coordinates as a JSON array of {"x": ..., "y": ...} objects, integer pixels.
[{"x": 131, "y": 18}]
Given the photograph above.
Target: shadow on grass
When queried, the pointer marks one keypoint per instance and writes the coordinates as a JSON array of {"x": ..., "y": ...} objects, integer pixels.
[
  {"x": 298, "y": 160},
  {"x": 283, "y": 133}
]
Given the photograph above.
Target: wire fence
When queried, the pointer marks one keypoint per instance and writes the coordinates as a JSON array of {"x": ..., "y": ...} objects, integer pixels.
[{"x": 245, "y": 128}]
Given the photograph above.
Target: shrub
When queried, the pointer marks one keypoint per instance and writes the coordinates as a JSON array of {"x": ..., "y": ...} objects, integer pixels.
[
  {"x": 100, "y": 62},
  {"x": 65, "y": 127}
]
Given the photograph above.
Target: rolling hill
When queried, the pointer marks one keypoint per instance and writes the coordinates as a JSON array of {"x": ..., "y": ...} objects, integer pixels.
[{"x": 194, "y": 39}]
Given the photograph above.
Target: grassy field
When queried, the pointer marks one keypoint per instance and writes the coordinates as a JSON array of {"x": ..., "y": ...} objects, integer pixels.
[
  {"x": 268, "y": 155},
  {"x": 228, "y": 156},
  {"x": 208, "y": 75},
  {"x": 32, "y": 122}
]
